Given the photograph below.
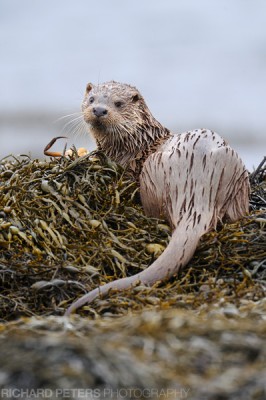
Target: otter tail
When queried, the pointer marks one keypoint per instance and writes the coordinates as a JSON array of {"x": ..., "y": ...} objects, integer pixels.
[{"x": 178, "y": 252}]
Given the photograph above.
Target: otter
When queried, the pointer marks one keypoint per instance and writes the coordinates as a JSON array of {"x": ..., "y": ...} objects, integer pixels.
[{"x": 193, "y": 179}]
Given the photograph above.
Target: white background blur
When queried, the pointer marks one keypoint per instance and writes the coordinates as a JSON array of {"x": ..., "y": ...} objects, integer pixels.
[{"x": 198, "y": 63}]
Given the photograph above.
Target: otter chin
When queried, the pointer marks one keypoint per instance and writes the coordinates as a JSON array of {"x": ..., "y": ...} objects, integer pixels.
[{"x": 193, "y": 179}]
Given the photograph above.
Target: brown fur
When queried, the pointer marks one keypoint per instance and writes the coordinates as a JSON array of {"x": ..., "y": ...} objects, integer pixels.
[{"x": 193, "y": 179}]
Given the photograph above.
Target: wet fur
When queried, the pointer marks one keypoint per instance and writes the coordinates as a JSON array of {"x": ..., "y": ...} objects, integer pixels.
[{"x": 193, "y": 179}]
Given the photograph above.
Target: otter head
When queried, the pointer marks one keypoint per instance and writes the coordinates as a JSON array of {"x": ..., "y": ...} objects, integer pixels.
[
  {"x": 111, "y": 107},
  {"x": 119, "y": 120}
]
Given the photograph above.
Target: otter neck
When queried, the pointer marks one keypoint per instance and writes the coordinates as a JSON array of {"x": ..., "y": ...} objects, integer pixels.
[{"x": 132, "y": 149}]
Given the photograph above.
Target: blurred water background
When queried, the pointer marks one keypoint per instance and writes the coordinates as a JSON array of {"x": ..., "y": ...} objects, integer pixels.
[{"x": 198, "y": 63}]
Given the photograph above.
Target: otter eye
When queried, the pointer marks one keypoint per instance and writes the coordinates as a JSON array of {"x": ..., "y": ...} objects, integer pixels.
[
  {"x": 118, "y": 104},
  {"x": 91, "y": 100}
]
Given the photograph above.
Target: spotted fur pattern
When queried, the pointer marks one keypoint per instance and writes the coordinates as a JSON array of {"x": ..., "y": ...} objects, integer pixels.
[{"x": 193, "y": 179}]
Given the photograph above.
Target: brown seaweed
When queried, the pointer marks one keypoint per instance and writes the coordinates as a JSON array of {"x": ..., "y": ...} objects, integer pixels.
[{"x": 71, "y": 224}]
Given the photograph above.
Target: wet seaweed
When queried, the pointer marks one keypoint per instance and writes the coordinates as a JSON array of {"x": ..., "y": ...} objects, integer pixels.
[{"x": 71, "y": 224}]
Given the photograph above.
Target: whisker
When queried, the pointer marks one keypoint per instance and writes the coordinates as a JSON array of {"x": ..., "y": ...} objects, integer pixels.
[
  {"x": 81, "y": 130},
  {"x": 71, "y": 124},
  {"x": 68, "y": 115}
]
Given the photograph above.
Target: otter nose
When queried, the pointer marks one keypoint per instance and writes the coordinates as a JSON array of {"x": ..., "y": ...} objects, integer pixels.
[{"x": 99, "y": 111}]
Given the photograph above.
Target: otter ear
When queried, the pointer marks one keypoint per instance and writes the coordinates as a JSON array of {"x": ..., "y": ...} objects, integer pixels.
[
  {"x": 88, "y": 87},
  {"x": 135, "y": 97}
]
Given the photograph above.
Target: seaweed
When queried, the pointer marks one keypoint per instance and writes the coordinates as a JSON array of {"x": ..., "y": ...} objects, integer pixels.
[{"x": 70, "y": 224}]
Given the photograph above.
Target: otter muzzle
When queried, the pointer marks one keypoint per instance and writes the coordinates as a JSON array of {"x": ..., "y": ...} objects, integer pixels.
[{"x": 99, "y": 111}]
